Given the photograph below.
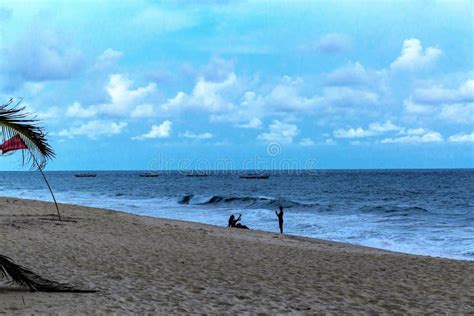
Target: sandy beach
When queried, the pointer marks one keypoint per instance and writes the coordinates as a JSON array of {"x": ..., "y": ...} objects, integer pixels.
[{"x": 148, "y": 265}]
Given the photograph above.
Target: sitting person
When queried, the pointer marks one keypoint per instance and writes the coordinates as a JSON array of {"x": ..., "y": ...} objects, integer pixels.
[{"x": 234, "y": 222}]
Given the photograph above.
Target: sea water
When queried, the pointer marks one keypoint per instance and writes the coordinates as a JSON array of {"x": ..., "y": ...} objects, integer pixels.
[{"x": 425, "y": 212}]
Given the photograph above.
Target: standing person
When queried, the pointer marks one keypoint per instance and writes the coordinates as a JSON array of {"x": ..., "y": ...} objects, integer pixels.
[{"x": 280, "y": 219}]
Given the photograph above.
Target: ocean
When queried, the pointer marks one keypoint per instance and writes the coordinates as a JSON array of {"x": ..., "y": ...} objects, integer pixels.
[{"x": 424, "y": 212}]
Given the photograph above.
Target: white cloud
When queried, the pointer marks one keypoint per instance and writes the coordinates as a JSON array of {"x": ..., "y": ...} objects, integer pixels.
[
  {"x": 175, "y": 103},
  {"x": 353, "y": 90},
  {"x": 144, "y": 110},
  {"x": 125, "y": 100},
  {"x": 438, "y": 94},
  {"x": 374, "y": 129},
  {"x": 333, "y": 43},
  {"x": 345, "y": 97},
  {"x": 307, "y": 142},
  {"x": 413, "y": 108},
  {"x": 94, "y": 129},
  {"x": 123, "y": 96},
  {"x": 51, "y": 113},
  {"x": 206, "y": 96},
  {"x": 76, "y": 110},
  {"x": 466, "y": 91},
  {"x": 408, "y": 135},
  {"x": 247, "y": 114},
  {"x": 286, "y": 96},
  {"x": 218, "y": 69},
  {"x": 413, "y": 56},
  {"x": 200, "y": 136},
  {"x": 353, "y": 133},
  {"x": 280, "y": 132},
  {"x": 253, "y": 123},
  {"x": 428, "y": 137},
  {"x": 388, "y": 126},
  {"x": 108, "y": 58},
  {"x": 458, "y": 113},
  {"x": 413, "y": 131},
  {"x": 41, "y": 56},
  {"x": 354, "y": 75},
  {"x": 209, "y": 93},
  {"x": 461, "y": 138},
  {"x": 450, "y": 105},
  {"x": 157, "y": 131}
]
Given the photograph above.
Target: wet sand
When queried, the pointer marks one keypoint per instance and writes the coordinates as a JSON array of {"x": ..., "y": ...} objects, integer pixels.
[{"x": 148, "y": 265}]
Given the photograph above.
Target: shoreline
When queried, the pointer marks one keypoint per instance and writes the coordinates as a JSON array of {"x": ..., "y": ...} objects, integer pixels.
[
  {"x": 143, "y": 264},
  {"x": 48, "y": 200},
  {"x": 290, "y": 236}
]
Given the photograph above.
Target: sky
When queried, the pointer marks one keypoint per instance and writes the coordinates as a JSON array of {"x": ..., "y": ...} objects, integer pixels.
[{"x": 152, "y": 85}]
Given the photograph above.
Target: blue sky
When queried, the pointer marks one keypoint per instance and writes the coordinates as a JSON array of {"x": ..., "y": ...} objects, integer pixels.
[{"x": 244, "y": 84}]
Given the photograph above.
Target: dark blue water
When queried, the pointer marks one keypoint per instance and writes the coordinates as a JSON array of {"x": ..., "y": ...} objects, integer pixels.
[{"x": 428, "y": 212}]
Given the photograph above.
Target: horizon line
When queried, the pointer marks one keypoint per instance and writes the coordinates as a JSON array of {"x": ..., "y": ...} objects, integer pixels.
[{"x": 236, "y": 170}]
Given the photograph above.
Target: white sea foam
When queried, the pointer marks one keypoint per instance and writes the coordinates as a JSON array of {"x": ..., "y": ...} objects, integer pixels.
[{"x": 407, "y": 223}]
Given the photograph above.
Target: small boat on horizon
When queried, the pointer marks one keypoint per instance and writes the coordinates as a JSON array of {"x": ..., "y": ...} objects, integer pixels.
[
  {"x": 254, "y": 176},
  {"x": 196, "y": 174},
  {"x": 149, "y": 175},
  {"x": 86, "y": 175}
]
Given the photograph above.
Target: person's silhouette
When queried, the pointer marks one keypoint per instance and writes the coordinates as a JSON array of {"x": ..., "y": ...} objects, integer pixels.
[
  {"x": 280, "y": 219},
  {"x": 233, "y": 221}
]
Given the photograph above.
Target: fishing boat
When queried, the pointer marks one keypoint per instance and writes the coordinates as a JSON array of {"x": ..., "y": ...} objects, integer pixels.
[
  {"x": 254, "y": 176},
  {"x": 196, "y": 174},
  {"x": 85, "y": 175},
  {"x": 149, "y": 175}
]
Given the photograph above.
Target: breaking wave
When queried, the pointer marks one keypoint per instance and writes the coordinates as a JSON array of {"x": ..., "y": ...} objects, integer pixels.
[
  {"x": 248, "y": 201},
  {"x": 394, "y": 210}
]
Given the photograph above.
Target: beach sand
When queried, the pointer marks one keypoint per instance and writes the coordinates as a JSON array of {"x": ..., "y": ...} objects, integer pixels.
[{"x": 148, "y": 265}]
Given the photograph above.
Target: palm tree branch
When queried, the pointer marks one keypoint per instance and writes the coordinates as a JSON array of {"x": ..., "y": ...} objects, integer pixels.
[
  {"x": 15, "y": 120},
  {"x": 23, "y": 276}
]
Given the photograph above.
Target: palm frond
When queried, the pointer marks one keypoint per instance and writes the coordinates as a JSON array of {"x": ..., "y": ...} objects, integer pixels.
[
  {"x": 23, "y": 276},
  {"x": 15, "y": 120}
]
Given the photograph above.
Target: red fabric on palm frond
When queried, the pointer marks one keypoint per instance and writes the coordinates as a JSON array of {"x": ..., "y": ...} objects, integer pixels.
[{"x": 14, "y": 143}]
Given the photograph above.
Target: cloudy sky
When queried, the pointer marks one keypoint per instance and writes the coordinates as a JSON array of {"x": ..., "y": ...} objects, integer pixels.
[{"x": 244, "y": 84}]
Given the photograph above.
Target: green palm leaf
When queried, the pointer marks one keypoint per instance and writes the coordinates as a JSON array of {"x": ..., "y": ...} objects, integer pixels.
[{"x": 15, "y": 120}]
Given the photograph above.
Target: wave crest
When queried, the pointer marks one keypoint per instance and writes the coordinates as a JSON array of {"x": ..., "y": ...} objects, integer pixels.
[
  {"x": 247, "y": 201},
  {"x": 395, "y": 210}
]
